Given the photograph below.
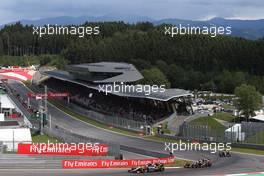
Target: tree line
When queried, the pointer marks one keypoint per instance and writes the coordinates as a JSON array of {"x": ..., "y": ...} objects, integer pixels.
[{"x": 188, "y": 61}]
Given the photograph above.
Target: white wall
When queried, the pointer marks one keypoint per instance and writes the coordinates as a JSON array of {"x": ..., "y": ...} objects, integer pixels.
[
  {"x": 2, "y": 117},
  {"x": 12, "y": 137}
]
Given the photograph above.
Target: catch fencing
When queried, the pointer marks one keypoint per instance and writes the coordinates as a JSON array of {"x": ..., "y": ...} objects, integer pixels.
[
  {"x": 110, "y": 120},
  {"x": 247, "y": 133}
]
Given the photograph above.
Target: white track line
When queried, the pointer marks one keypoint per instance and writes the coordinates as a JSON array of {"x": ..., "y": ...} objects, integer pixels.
[
  {"x": 241, "y": 174},
  {"x": 173, "y": 167}
]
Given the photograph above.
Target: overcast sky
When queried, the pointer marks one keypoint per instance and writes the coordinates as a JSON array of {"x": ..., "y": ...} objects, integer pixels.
[{"x": 14, "y": 10}]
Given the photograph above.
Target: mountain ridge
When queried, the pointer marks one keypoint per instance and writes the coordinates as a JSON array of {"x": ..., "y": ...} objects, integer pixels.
[{"x": 249, "y": 29}]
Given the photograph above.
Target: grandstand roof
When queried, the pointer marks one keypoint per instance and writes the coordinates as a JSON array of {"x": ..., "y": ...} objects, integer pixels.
[
  {"x": 124, "y": 72},
  {"x": 162, "y": 96}
]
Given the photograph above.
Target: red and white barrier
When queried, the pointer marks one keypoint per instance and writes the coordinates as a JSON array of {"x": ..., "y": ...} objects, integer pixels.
[
  {"x": 19, "y": 74},
  {"x": 88, "y": 149},
  {"x": 90, "y": 164}
]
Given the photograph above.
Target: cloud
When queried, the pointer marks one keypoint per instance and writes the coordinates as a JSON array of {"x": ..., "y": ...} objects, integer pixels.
[
  {"x": 234, "y": 3},
  {"x": 14, "y": 10}
]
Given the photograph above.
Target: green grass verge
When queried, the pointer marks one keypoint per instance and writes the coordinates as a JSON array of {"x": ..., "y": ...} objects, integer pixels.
[
  {"x": 91, "y": 121},
  {"x": 178, "y": 163},
  {"x": 44, "y": 139},
  {"x": 226, "y": 106},
  {"x": 224, "y": 116},
  {"x": 257, "y": 138},
  {"x": 27, "y": 82},
  {"x": 208, "y": 121},
  {"x": 247, "y": 150},
  {"x": 159, "y": 139},
  {"x": 164, "y": 128}
]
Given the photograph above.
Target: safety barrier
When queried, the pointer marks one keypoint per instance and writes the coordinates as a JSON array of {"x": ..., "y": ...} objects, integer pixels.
[{"x": 81, "y": 164}]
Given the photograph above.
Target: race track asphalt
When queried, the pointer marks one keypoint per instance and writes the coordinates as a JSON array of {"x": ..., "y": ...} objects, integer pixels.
[{"x": 238, "y": 163}]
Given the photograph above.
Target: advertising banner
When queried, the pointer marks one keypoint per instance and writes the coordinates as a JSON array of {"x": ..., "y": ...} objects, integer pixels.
[
  {"x": 88, "y": 149},
  {"x": 86, "y": 164}
]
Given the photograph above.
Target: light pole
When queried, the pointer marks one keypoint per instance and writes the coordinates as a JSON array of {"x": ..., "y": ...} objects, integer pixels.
[
  {"x": 50, "y": 121},
  {"x": 46, "y": 102},
  {"x": 145, "y": 122},
  {"x": 40, "y": 113}
]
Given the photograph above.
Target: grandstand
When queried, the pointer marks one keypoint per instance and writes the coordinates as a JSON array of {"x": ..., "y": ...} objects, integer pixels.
[{"x": 83, "y": 81}]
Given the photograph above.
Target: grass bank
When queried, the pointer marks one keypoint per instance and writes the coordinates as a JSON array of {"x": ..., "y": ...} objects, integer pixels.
[
  {"x": 208, "y": 121},
  {"x": 224, "y": 116},
  {"x": 44, "y": 139},
  {"x": 257, "y": 138}
]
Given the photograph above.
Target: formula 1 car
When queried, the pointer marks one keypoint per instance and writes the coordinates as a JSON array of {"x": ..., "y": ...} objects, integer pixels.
[
  {"x": 224, "y": 154},
  {"x": 157, "y": 167},
  {"x": 201, "y": 163},
  {"x": 137, "y": 170}
]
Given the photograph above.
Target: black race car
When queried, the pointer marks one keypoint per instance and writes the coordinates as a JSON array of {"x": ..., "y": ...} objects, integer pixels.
[
  {"x": 157, "y": 167},
  {"x": 140, "y": 169},
  {"x": 201, "y": 163},
  {"x": 224, "y": 154}
]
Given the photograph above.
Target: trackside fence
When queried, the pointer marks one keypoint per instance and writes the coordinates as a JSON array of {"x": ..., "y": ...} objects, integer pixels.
[
  {"x": 246, "y": 133},
  {"x": 107, "y": 119}
]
